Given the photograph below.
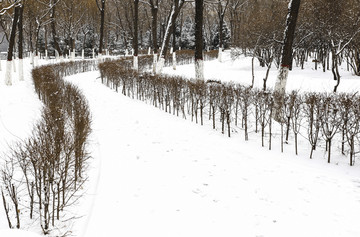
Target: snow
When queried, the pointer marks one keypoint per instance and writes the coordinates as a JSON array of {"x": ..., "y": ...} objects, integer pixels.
[
  {"x": 155, "y": 174},
  {"x": 17, "y": 233}
]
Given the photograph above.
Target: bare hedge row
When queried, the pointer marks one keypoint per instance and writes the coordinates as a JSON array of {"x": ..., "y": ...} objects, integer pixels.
[
  {"x": 316, "y": 116},
  {"x": 45, "y": 173}
]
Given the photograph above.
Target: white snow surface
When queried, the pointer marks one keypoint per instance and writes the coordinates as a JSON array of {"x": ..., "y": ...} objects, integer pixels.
[
  {"x": 19, "y": 108},
  {"x": 155, "y": 174},
  {"x": 17, "y": 233}
]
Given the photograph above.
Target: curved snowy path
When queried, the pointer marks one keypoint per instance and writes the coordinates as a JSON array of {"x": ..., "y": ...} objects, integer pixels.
[{"x": 163, "y": 176}]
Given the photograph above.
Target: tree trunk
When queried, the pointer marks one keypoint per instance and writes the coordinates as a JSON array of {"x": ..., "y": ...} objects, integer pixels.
[
  {"x": 20, "y": 43},
  {"x": 154, "y": 13},
  {"x": 102, "y": 22},
  {"x": 178, "y": 4},
  {"x": 199, "y": 64},
  {"x": 8, "y": 80},
  {"x": 136, "y": 29},
  {"x": 286, "y": 56},
  {"x": 53, "y": 31}
]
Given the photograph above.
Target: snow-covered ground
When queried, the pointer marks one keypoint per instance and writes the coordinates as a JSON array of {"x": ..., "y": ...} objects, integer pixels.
[
  {"x": 17, "y": 233},
  {"x": 155, "y": 174},
  {"x": 20, "y": 107}
]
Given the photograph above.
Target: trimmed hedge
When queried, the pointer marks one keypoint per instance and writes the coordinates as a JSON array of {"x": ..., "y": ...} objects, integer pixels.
[
  {"x": 318, "y": 116},
  {"x": 54, "y": 159}
]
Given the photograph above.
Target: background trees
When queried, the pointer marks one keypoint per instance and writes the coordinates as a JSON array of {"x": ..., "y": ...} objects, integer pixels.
[{"x": 327, "y": 29}]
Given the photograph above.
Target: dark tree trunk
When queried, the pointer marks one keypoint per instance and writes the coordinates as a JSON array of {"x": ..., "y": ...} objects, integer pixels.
[
  {"x": 221, "y": 32},
  {"x": 174, "y": 37},
  {"x": 136, "y": 27},
  {"x": 199, "y": 8},
  {"x": 154, "y": 14},
  {"x": 13, "y": 34},
  {"x": 53, "y": 30},
  {"x": 286, "y": 57},
  {"x": 102, "y": 23},
  {"x": 21, "y": 36}
]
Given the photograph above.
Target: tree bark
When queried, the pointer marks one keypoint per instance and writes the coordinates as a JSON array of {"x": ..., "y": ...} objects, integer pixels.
[
  {"x": 154, "y": 14},
  {"x": 199, "y": 68},
  {"x": 53, "y": 30},
  {"x": 102, "y": 23}
]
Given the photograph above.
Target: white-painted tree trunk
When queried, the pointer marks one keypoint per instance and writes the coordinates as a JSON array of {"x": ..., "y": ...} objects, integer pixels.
[
  {"x": 280, "y": 84},
  {"x": 46, "y": 55},
  {"x": 279, "y": 90},
  {"x": 220, "y": 55},
  {"x": 199, "y": 69},
  {"x": 14, "y": 65},
  {"x": 126, "y": 52},
  {"x": 154, "y": 62},
  {"x": 93, "y": 53},
  {"x": 8, "y": 73},
  {"x": 179, "y": 48},
  {"x": 160, "y": 65},
  {"x": 82, "y": 54},
  {"x": 32, "y": 59},
  {"x": 135, "y": 63},
  {"x": 132, "y": 52},
  {"x": 149, "y": 51},
  {"x": 174, "y": 60},
  {"x": 56, "y": 55},
  {"x": 171, "y": 50},
  {"x": 72, "y": 55},
  {"x": 21, "y": 69}
]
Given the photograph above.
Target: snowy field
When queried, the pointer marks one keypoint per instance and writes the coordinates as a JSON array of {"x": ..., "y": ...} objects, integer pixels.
[
  {"x": 19, "y": 107},
  {"x": 154, "y": 174}
]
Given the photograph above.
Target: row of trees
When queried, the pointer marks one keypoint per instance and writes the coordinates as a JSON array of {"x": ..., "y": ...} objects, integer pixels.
[
  {"x": 43, "y": 176},
  {"x": 65, "y": 24},
  {"x": 322, "y": 118},
  {"x": 327, "y": 31}
]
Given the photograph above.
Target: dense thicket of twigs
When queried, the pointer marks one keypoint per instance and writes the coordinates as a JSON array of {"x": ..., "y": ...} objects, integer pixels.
[
  {"x": 317, "y": 116},
  {"x": 44, "y": 174}
]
